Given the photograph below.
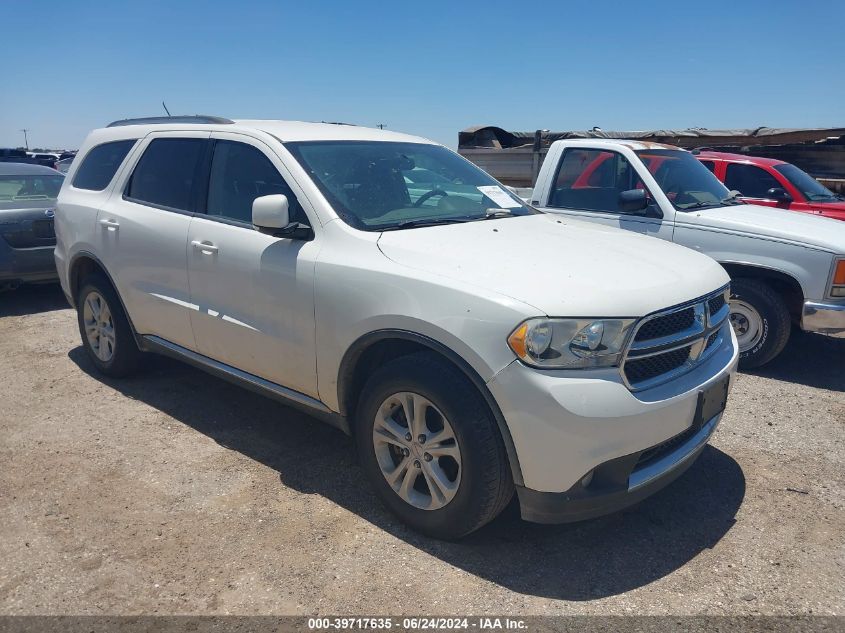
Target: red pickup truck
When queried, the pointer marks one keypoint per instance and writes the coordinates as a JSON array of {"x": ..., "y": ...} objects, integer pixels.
[{"x": 773, "y": 183}]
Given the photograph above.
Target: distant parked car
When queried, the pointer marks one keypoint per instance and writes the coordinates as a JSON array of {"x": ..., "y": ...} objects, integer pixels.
[
  {"x": 11, "y": 155},
  {"x": 774, "y": 183},
  {"x": 9, "y": 152},
  {"x": 27, "y": 206},
  {"x": 63, "y": 165},
  {"x": 46, "y": 159}
]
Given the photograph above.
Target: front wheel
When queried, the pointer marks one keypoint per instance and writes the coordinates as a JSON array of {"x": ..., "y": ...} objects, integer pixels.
[
  {"x": 760, "y": 320},
  {"x": 431, "y": 448}
]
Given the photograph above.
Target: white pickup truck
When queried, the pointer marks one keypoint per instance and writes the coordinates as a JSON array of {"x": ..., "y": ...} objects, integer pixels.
[{"x": 785, "y": 267}]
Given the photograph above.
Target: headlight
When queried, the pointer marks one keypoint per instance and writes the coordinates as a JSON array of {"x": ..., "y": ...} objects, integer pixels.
[
  {"x": 570, "y": 343},
  {"x": 837, "y": 288}
]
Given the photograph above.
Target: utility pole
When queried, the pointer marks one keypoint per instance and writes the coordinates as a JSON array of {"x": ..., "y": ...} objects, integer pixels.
[{"x": 25, "y": 138}]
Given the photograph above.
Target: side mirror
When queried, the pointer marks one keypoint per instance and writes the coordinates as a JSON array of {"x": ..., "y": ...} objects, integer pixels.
[
  {"x": 271, "y": 216},
  {"x": 270, "y": 213},
  {"x": 633, "y": 201},
  {"x": 777, "y": 193}
]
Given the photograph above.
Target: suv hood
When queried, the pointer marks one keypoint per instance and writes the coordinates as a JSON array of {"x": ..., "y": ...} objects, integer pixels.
[
  {"x": 813, "y": 231},
  {"x": 561, "y": 267}
]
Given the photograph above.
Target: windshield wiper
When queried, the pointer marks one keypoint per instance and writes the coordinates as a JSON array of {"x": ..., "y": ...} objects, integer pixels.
[
  {"x": 696, "y": 205},
  {"x": 497, "y": 213},
  {"x": 410, "y": 224},
  {"x": 732, "y": 199}
]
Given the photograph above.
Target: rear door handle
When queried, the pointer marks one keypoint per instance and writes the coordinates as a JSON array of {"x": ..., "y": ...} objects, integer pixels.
[
  {"x": 206, "y": 247},
  {"x": 111, "y": 225}
]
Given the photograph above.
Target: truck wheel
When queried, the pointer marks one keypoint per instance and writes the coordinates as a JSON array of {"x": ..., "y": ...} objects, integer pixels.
[
  {"x": 431, "y": 448},
  {"x": 760, "y": 320},
  {"x": 106, "y": 333}
]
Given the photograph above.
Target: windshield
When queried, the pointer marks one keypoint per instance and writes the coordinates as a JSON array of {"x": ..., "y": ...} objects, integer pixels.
[
  {"x": 811, "y": 188},
  {"x": 37, "y": 187},
  {"x": 686, "y": 182},
  {"x": 376, "y": 185}
]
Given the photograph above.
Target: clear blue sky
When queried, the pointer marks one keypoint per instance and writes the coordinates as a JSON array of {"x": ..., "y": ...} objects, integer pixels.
[{"x": 429, "y": 68}]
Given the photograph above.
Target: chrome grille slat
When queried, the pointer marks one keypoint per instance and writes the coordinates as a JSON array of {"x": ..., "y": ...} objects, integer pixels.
[
  {"x": 666, "y": 325},
  {"x": 656, "y": 353},
  {"x": 667, "y": 343}
]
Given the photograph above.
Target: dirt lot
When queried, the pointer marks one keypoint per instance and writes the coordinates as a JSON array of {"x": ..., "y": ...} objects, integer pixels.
[{"x": 175, "y": 492}]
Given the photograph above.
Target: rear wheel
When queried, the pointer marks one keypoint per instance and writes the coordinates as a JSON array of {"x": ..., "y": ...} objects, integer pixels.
[
  {"x": 431, "y": 448},
  {"x": 105, "y": 330},
  {"x": 760, "y": 320}
]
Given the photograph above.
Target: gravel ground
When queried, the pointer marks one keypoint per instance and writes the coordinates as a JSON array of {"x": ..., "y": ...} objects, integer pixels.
[{"x": 175, "y": 492}]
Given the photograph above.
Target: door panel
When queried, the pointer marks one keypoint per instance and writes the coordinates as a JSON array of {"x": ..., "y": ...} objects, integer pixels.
[
  {"x": 144, "y": 250},
  {"x": 144, "y": 247},
  {"x": 254, "y": 292},
  {"x": 255, "y": 302}
]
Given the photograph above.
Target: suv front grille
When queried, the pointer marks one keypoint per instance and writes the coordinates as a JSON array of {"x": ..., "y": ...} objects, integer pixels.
[
  {"x": 667, "y": 325},
  {"x": 650, "y": 367},
  {"x": 716, "y": 303},
  {"x": 656, "y": 452},
  {"x": 672, "y": 342}
]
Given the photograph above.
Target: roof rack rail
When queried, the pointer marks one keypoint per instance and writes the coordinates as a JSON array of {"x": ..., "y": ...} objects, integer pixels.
[{"x": 196, "y": 118}]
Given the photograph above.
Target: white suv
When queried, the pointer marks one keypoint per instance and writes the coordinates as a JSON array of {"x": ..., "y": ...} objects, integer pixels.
[{"x": 472, "y": 344}]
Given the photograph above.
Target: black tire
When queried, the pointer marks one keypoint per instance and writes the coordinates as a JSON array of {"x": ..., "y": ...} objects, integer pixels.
[
  {"x": 776, "y": 322},
  {"x": 126, "y": 357},
  {"x": 485, "y": 486}
]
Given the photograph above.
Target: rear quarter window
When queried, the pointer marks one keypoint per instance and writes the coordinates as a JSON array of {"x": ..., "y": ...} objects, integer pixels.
[
  {"x": 100, "y": 165},
  {"x": 166, "y": 174}
]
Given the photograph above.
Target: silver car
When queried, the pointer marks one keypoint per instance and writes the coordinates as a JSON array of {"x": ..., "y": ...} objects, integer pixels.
[{"x": 27, "y": 239}]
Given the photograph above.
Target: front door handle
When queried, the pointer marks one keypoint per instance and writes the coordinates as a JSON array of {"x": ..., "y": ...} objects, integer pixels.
[
  {"x": 207, "y": 248},
  {"x": 110, "y": 224}
]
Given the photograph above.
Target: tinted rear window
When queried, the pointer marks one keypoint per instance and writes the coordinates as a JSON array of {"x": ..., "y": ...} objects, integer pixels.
[
  {"x": 166, "y": 174},
  {"x": 100, "y": 165}
]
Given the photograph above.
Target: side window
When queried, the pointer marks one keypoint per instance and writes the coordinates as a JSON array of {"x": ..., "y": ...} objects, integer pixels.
[
  {"x": 709, "y": 164},
  {"x": 592, "y": 180},
  {"x": 100, "y": 165},
  {"x": 166, "y": 173},
  {"x": 749, "y": 180},
  {"x": 240, "y": 173}
]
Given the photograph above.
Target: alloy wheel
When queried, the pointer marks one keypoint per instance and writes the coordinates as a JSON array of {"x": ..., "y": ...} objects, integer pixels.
[
  {"x": 417, "y": 451},
  {"x": 99, "y": 326}
]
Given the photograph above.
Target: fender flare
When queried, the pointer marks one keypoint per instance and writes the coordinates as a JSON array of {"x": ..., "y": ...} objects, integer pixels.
[
  {"x": 89, "y": 255},
  {"x": 354, "y": 352}
]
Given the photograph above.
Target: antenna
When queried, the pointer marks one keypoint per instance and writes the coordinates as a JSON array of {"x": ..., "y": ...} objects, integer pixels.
[
  {"x": 165, "y": 109},
  {"x": 381, "y": 126}
]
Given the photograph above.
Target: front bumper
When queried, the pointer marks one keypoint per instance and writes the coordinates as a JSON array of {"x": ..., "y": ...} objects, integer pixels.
[
  {"x": 567, "y": 425},
  {"x": 824, "y": 318},
  {"x": 617, "y": 484}
]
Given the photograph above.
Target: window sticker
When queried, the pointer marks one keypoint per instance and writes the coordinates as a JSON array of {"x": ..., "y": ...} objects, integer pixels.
[{"x": 499, "y": 196}]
